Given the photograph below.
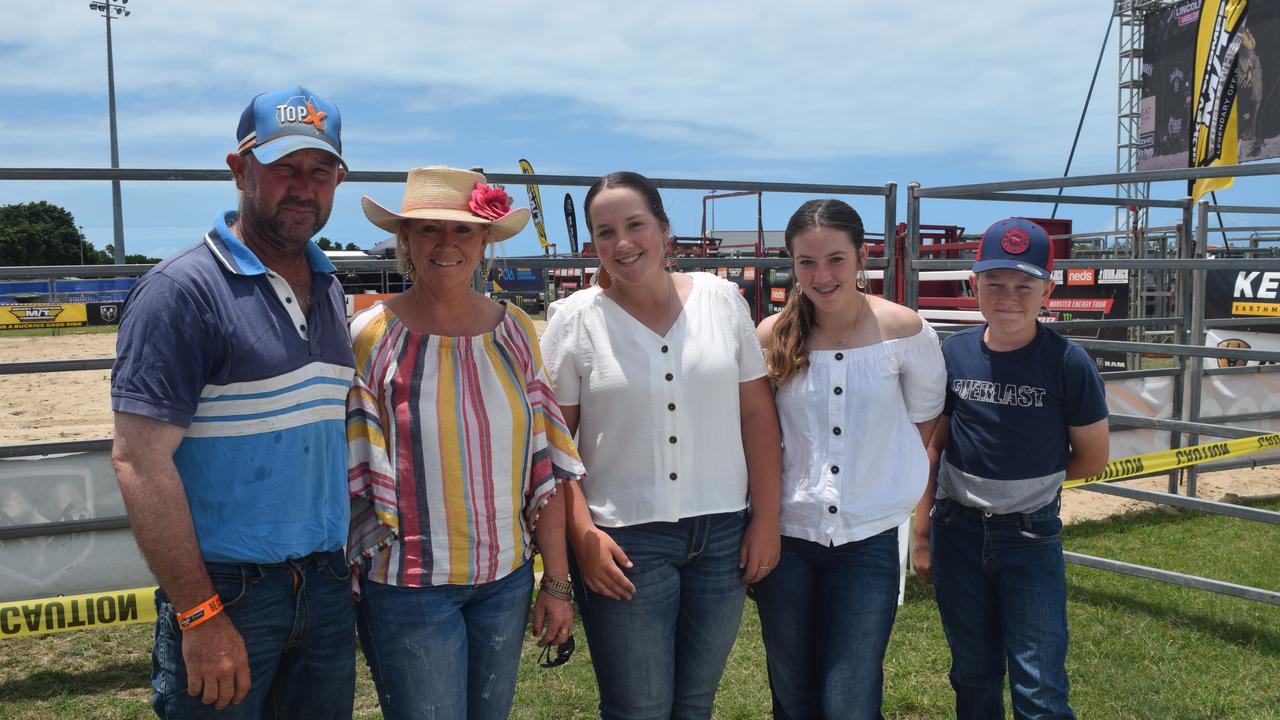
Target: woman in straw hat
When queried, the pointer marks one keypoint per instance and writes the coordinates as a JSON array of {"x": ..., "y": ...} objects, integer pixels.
[
  {"x": 661, "y": 374},
  {"x": 457, "y": 449}
]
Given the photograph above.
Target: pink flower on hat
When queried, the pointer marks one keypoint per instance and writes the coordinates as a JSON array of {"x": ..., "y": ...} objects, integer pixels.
[{"x": 490, "y": 203}]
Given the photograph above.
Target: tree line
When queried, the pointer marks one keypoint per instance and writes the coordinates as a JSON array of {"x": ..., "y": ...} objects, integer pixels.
[{"x": 41, "y": 233}]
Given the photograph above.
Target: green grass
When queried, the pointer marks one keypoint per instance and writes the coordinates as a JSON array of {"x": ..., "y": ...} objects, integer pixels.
[
  {"x": 49, "y": 332},
  {"x": 1139, "y": 649}
]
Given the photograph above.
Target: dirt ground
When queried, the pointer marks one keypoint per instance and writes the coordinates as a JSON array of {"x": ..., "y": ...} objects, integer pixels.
[{"x": 76, "y": 406}]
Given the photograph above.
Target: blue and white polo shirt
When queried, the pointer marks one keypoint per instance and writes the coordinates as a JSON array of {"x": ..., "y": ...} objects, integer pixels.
[{"x": 213, "y": 341}]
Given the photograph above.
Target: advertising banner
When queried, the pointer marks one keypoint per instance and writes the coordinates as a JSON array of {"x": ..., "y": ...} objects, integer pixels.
[
  {"x": 103, "y": 313},
  {"x": 535, "y": 206},
  {"x": 1215, "y": 120},
  {"x": 42, "y": 315},
  {"x": 1172, "y": 89},
  {"x": 1092, "y": 294},
  {"x": 1164, "y": 121},
  {"x": 1243, "y": 294}
]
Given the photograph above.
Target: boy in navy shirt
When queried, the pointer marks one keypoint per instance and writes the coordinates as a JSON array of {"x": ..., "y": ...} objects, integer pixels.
[{"x": 1025, "y": 410}]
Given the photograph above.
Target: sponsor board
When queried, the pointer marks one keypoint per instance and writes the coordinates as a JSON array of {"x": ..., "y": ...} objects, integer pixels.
[
  {"x": 1243, "y": 294},
  {"x": 1080, "y": 276},
  {"x": 1242, "y": 340},
  {"x": 77, "y": 612},
  {"x": 1092, "y": 294},
  {"x": 42, "y": 315},
  {"x": 778, "y": 294},
  {"x": 1113, "y": 276},
  {"x": 103, "y": 313},
  {"x": 1257, "y": 309}
]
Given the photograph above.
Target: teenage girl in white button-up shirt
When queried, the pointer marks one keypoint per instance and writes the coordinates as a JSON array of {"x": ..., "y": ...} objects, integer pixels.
[
  {"x": 662, "y": 376},
  {"x": 860, "y": 383}
]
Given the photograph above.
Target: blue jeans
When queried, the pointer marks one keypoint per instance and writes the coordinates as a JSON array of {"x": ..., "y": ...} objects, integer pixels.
[
  {"x": 661, "y": 653},
  {"x": 1001, "y": 586},
  {"x": 447, "y": 652},
  {"x": 298, "y": 625},
  {"x": 826, "y": 613}
]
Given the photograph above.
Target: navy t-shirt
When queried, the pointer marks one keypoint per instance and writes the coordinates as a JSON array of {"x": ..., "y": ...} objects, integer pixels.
[{"x": 1009, "y": 412}]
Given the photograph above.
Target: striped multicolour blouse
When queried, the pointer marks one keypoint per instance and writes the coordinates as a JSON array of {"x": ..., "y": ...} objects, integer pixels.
[{"x": 454, "y": 444}]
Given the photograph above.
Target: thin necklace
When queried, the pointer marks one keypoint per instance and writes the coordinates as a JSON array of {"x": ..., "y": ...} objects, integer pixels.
[
  {"x": 853, "y": 329},
  {"x": 673, "y": 307}
]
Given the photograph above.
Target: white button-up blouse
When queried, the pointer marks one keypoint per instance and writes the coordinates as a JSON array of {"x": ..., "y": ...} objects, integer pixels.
[
  {"x": 659, "y": 426},
  {"x": 853, "y": 464}
]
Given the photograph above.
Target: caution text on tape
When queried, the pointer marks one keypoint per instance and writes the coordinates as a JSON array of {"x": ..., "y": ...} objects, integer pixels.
[
  {"x": 1163, "y": 460},
  {"x": 77, "y": 612}
]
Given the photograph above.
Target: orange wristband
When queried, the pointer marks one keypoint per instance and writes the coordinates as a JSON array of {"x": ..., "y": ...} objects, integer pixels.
[{"x": 200, "y": 613}]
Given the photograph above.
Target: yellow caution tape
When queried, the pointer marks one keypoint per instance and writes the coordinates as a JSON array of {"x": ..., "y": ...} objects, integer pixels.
[
  {"x": 1163, "y": 460},
  {"x": 77, "y": 612}
]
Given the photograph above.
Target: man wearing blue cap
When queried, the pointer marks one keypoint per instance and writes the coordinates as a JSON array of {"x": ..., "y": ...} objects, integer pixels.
[
  {"x": 229, "y": 388},
  {"x": 1025, "y": 410}
]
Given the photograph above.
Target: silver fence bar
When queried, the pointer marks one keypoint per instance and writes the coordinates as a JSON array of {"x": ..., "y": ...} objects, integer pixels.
[
  {"x": 1072, "y": 199},
  {"x": 890, "y": 281},
  {"x": 1176, "y": 349},
  {"x": 1195, "y": 582},
  {"x": 1252, "y": 209},
  {"x": 1221, "y": 431},
  {"x": 1240, "y": 322},
  {"x": 1131, "y": 374},
  {"x": 1244, "y": 370},
  {"x": 1241, "y": 417},
  {"x": 110, "y": 522},
  {"x": 911, "y": 263},
  {"x": 1267, "y": 264},
  {"x": 1269, "y": 517},
  {"x": 54, "y": 448},
  {"x": 1105, "y": 179},
  {"x": 1115, "y": 322},
  {"x": 378, "y": 176},
  {"x": 43, "y": 366}
]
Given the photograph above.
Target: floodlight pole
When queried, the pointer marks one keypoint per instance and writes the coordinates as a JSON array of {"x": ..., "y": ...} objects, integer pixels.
[{"x": 108, "y": 7}]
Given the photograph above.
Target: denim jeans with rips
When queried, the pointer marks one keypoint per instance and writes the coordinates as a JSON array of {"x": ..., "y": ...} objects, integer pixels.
[
  {"x": 297, "y": 620},
  {"x": 661, "y": 653},
  {"x": 446, "y": 652},
  {"x": 1001, "y": 586},
  {"x": 826, "y": 613}
]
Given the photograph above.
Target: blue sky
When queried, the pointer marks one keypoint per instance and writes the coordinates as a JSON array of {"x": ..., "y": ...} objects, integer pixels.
[{"x": 857, "y": 93}]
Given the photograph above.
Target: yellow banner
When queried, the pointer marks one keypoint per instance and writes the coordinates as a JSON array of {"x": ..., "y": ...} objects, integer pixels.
[
  {"x": 1164, "y": 460},
  {"x": 535, "y": 206},
  {"x": 1214, "y": 139},
  {"x": 77, "y": 612},
  {"x": 1255, "y": 308},
  {"x": 42, "y": 315}
]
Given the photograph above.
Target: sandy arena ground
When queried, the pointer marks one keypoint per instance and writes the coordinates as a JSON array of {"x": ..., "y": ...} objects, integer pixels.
[{"x": 76, "y": 406}]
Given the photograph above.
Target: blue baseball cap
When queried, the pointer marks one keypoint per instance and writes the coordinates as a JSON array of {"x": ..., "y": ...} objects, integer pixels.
[
  {"x": 1016, "y": 244},
  {"x": 283, "y": 121}
]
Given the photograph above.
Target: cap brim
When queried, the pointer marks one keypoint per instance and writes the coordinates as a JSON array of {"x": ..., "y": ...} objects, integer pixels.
[
  {"x": 499, "y": 230},
  {"x": 1032, "y": 270},
  {"x": 272, "y": 151}
]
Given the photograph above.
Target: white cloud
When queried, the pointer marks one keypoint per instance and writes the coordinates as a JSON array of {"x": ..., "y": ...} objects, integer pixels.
[{"x": 749, "y": 80}]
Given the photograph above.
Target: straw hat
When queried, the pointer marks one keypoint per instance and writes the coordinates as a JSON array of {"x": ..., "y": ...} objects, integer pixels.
[{"x": 445, "y": 193}]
